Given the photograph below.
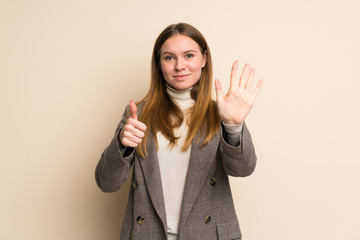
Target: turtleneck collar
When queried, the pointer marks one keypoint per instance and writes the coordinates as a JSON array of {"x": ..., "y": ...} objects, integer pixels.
[{"x": 181, "y": 97}]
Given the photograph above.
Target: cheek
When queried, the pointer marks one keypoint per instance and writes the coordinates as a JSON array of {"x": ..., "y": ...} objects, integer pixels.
[
  {"x": 165, "y": 68},
  {"x": 196, "y": 66}
]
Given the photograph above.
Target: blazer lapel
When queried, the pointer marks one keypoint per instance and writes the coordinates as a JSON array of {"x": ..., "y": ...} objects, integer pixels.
[
  {"x": 151, "y": 171},
  {"x": 201, "y": 160}
]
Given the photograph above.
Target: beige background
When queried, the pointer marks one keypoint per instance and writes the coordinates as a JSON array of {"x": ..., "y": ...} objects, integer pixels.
[{"x": 68, "y": 68}]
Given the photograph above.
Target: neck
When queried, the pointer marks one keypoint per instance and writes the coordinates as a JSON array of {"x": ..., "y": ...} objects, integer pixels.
[{"x": 181, "y": 97}]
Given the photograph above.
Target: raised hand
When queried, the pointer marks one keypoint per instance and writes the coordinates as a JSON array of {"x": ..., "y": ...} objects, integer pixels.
[
  {"x": 240, "y": 98},
  {"x": 133, "y": 132}
]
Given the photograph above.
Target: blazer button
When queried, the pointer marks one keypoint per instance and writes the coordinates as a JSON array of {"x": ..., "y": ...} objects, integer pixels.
[
  {"x": 207, "y": 219},
  {"x": 140, "y": 220},
  {"x": 134, "y": 184},
  {"x": 213, "y": 181}
]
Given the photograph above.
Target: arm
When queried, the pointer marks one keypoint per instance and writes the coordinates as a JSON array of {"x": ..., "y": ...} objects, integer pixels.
[
  {"x": 232, "y": 133},
  {"x": 237, "y": 150},
  {"x": 239, "y": 160},
  {"x": 116, "y": 160}
]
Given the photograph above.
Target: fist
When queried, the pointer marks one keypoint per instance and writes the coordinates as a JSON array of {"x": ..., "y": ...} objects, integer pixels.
[{"x": 133, "y": 132}]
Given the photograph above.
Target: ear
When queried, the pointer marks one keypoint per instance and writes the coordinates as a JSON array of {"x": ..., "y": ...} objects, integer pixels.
[{"x": 204, "y": 60}]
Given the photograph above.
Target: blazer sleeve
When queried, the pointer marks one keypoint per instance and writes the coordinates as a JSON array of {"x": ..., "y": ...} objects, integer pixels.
[
  {"x": 238, "y": 161},
  {"x": 115, "y": 162}
]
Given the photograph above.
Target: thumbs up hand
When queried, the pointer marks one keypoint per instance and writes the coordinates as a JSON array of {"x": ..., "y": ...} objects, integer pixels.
[{"x": 133, "y": 132}]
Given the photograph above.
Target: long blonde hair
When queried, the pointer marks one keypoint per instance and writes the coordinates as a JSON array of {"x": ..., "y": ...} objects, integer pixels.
[{"x": 160, "y": 113}]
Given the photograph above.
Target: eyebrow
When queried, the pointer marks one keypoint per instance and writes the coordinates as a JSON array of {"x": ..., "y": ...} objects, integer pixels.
[{"x": 188, "y": 51}]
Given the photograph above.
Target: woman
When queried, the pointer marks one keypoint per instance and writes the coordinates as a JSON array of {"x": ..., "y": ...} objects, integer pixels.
[{"x": 183, "y": 145}]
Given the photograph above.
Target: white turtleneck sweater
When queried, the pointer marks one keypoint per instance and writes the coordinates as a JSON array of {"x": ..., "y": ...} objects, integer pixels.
[{"x": 174, "y": 162}]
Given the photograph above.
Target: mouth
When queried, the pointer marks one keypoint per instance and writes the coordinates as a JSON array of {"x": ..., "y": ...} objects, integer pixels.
[{"x": 181, "y": 77}]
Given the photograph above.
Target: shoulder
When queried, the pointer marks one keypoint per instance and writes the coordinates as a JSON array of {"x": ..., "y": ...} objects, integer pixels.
[{"x": 140, "y": 106}]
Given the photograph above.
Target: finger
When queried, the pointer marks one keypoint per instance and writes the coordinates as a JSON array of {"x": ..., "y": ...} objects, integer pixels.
[
  {"x": 128, "y": 143},
  {"x": 244, "y": 75},
  {"x": 129, "y": 136},
  {"x": 125, "y": 140},
  {"x": 218, "y": 88},
  {"x": 251, "y": 79},
  {"x": 133, "y": 110},
  {"x": 256, "y": 91},
  {"x": 233, "y": 73},
  {"x": 135, "y": 124}
]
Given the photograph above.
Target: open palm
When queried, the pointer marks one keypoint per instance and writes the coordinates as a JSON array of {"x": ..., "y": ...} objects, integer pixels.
[{"x": 240, "y": 98}]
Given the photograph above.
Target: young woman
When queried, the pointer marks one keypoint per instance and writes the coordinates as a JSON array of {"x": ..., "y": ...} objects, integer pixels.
[{"x": 182, "y": 145}]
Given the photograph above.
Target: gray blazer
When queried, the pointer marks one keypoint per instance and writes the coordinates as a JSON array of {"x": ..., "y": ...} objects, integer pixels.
[{"x": 207, "y": 210}]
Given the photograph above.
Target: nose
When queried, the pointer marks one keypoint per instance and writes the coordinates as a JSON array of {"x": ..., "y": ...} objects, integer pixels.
[{"x": 179, "y": 65}]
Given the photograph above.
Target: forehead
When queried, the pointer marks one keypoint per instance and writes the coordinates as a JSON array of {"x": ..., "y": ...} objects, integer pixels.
[{"x": 178, "y": 44}]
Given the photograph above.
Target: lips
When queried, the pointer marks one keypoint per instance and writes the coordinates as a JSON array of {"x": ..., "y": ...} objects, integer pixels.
[{"x": 181, "y": 77}]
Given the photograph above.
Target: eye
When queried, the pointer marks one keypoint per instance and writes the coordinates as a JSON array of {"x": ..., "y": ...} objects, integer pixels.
[
  {"x": 169, "y": 58},
  {"x": 189, "y": 55}
]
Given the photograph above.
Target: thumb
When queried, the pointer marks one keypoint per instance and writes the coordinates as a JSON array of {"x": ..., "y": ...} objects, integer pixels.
[
  {"x": 133, "y": 110},
  {"x": 218, "y": 88}
]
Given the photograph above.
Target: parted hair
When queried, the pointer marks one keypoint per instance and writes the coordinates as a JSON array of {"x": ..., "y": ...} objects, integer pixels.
[{"x": 160, "y": 113}]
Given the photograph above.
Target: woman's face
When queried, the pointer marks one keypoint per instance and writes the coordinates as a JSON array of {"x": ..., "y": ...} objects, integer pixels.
[{"x": 181, "y": 61}]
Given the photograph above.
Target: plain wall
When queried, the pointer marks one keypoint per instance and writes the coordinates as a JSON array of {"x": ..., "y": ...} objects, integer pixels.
[{"x": 68, "y": 68}]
